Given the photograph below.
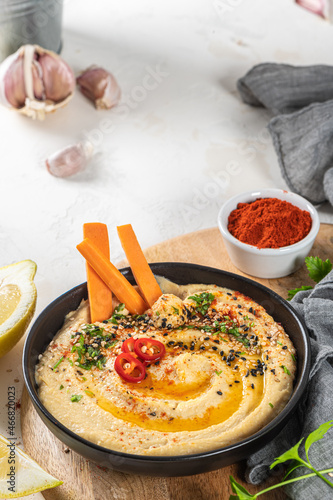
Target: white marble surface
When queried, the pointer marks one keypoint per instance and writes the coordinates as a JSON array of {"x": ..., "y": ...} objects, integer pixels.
[{"x": 181, "y": 143}]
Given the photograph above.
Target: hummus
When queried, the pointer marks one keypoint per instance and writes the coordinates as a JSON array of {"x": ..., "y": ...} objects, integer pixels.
[{"x": 227, "y": 371}]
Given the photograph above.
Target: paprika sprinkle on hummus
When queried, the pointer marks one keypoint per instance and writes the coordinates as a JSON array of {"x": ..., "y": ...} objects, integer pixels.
[{"x": 269, "y": 223}]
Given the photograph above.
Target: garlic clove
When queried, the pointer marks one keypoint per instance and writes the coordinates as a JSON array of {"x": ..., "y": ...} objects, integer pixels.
[
  {"x": 35, "y": 81},
  {"x": 59, "y": 80},
  {"x": 319, "y": 7},
  {"x": 14, "y": 84},
  {"x": 100, "y": 87},
  {"x": 70, "y": 160}
]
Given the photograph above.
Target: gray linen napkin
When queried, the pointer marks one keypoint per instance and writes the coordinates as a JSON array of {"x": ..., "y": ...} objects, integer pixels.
[
  {"x": 316, "y": 307},
  {"x": 303, "y": 138}
]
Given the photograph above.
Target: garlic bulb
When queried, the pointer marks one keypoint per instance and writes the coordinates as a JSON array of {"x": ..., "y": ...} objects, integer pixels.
[
  {"x": 35, "y": 81},
  {"x": 70, "y": 160},
  {"x": 100, "y": 87}
]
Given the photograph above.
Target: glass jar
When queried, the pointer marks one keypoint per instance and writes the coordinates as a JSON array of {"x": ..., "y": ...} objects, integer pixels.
[{"x": 30, "y": 22}]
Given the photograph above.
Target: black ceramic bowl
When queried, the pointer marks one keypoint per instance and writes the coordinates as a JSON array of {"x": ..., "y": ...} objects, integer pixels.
[{"x": 51, "y": 320}]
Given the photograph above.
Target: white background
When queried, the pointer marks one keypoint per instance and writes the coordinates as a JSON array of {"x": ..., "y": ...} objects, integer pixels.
[{"x": 182, "y": 149}]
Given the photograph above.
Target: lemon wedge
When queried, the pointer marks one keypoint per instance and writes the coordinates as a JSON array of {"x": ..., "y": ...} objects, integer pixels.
[
  {"x": 20, "y": 475},
  {"x": 17, "y": 302}
]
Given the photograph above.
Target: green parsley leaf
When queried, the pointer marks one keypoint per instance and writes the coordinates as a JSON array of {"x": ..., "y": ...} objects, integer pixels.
[
  {"x": 76, "y": 398},
  {"x": 317, "y": 435},
  {"x": 271, "y": 405},
  {"x": 61, "y": 387},
  {"x": 318, "y": 268},
  {"x": 291, "y": 454},
  {"x": 176, "y": 311},
  {"x": 241, "y": 492},
  {"x": 292, "y": 293},
  {"x": 218, "y": 372}
]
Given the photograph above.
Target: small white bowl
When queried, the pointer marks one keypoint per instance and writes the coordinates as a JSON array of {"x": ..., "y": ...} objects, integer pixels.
[{"x": 267, "y": 262}]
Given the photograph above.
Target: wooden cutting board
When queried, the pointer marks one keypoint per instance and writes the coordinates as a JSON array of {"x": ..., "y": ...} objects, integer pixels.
[{"x": 84, "y": 480}]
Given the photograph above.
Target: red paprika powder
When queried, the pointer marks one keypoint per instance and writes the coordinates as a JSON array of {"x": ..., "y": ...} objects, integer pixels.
[{"x": 269, "y": 223}]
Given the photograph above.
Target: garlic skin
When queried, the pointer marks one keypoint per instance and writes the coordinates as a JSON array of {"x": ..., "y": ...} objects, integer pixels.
[
  {"x": 35, "y": 81},
  {"x": 100, "y": 87},
  {"x": 70, "y": 160}
]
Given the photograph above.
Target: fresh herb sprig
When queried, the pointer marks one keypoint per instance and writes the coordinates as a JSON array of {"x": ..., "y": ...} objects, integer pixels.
[
  {"x": 203, "y": 301},
  {"x": 241, "y": 493},
  {"x": 317, "y": 268}
]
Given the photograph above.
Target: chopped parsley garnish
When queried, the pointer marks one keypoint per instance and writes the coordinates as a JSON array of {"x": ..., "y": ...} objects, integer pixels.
[
  {"x": 285, "y": 369},
  {"x": 271, "y": 405},
  {"x": 293, "y": 357},
  {"x": 61, "y": 387},
  {"x": 176, "y": 311},
  {"x": 76, "y": 398},
  {"x": 218, "y": 372},
  {"x": 89, "y": 354},
  {"x": 203, "y": 301},
  {"x": 58, "y": 363}
]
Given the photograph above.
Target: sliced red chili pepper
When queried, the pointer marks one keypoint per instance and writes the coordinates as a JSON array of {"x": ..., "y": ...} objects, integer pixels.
[
  {"x": 149, "y": 349},
  {"x": 129, "y": 368},
  {"x": 128, "y": 345}
]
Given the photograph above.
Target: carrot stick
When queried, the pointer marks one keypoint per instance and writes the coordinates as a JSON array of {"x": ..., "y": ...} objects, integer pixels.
[
  {"x": 100, "y": 295},
  {"x": 142, "y": 273},
  {"x": 112, "y": 277}
]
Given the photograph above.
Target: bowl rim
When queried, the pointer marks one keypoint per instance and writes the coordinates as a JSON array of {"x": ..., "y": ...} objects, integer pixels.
[
  {"x": 264, "y": 193},
  {"x": 288, "y": 409}
]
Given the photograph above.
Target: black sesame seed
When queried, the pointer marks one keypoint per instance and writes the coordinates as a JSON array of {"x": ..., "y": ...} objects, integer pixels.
[
  {"x": 273, "y": 371},
  {"x": 246, "y": 329},
  {"x": 239, "y": 306},
  {"x": 236, "y": 381},
  {"x": 165, "y": 334},
  {"x": 153, "y": 414},
  {"x": 214, "y": 347},
  {"x": 251, "y": 310},
  {"x": 285, "y": 347},
  {"x": 219, "y": 393},
  {"x": 252, "y": 385},
  {"x": 206, "y": 338},
  {"x": 202, "y": 347},
  {"x": 247, "y": 373},
  {"x": 229, "y": 294}
]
